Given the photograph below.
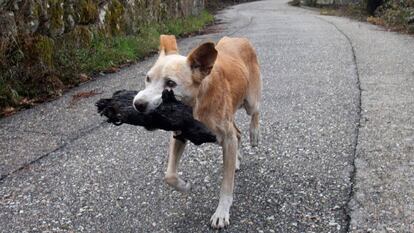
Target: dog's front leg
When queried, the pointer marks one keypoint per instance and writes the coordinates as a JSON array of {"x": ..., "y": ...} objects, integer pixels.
[
  {"x": 171, "y": 177},
  {"x": 221, "y": 217}
]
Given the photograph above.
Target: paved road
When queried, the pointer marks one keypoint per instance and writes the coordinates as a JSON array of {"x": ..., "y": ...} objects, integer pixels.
[{"x": 336, "y": 150}]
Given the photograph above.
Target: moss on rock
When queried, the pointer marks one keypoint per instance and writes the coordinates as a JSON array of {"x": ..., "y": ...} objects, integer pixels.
[
  {"x": 56, "y": 12},
  {"x": 81, "y": 36},
  {"x": 69, "y": 19},
  {"x": 43, "y": 48},
  {"x": 88, "y": 12},
  {"x": 113, "y": 18}
]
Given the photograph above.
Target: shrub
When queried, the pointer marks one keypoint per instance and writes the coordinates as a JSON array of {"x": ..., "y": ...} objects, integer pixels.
[{"x": 397, "y": 14}]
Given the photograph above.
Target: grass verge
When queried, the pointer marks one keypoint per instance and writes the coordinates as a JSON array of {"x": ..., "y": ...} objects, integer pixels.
[
  {"x": 394, "y": 15},
  {"x": 105, "y": 53}
]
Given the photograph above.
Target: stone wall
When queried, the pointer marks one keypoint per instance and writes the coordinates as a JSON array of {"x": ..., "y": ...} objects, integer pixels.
[
  {"x": 53, "y": 18},
  {"x": 43, "y": 43}
]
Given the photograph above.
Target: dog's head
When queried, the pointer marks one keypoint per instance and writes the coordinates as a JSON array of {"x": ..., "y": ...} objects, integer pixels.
[{"x": 173, "y": 71}]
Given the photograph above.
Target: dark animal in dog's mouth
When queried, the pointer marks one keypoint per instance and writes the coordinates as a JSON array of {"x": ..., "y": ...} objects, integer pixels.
[{"x": 170, "y": 115}]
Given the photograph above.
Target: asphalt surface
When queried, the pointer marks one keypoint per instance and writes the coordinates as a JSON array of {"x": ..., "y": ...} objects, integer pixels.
[
  {"x": 383, "y": 199},
  {"x": 336, "y": 150}
]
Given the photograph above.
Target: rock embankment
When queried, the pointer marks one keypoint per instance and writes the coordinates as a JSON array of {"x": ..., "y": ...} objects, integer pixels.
[
  {"x": 45, "y": 43},
  {"x": 56, "y": 17}
]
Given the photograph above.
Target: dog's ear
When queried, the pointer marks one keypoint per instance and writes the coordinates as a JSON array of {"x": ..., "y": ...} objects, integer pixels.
[
  {"x": 201, "y": 60},
  {"x": 168, "y": 45}
]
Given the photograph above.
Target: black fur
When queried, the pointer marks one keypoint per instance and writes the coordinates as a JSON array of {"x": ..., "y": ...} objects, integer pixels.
[{"x": 171, "y": 115}]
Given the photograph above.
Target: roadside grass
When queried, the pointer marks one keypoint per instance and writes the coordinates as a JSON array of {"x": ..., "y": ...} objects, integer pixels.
[
  {"x": 105, "y": 53},
  {"x": 394, "y": 15},
  {"x": 36, "y": 69},
  {"x": 354, "y": 11}
]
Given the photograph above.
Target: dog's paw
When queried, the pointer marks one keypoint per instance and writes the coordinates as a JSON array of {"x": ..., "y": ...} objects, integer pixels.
[
  {"x": 254, "y": 137},
  {"x": 220, "y": 219},
  {"x": 178, "y": 184},
  {"x": 237, "y": 163}
]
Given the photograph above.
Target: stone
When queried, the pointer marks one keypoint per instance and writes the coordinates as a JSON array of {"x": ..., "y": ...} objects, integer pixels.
[
  {"x": 69, "y": 23},
  {"x": 81, "y": 36},
  {"x": 3, "y": 4},
  {"x": 69, "y": 19},
  {"x": 198, "y": 6},
  {"x": 325, "y": 2},
  {"x": 56, "y": 13},
  {"x": 44, "y": 19},
  {"x": 7, "y": 24},
  {"x": 410, "y": 28},
  {"x": 410, "y": 19},
  {"x": 33, "y": 25}
]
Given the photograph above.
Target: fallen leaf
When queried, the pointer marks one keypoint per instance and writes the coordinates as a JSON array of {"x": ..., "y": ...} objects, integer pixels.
[
  {"x": 84, "y": 77},
  {"x": 82, "y": 95},
  {"x": 112, "y": 70},
  {"x": 8, "y": 111}
]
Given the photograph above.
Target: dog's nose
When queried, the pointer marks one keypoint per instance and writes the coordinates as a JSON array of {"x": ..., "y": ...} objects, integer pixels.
[{"x": 140, "y": 106}]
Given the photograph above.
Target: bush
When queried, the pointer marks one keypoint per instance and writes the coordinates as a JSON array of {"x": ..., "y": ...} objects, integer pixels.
[{"x": 397, "y": 14}]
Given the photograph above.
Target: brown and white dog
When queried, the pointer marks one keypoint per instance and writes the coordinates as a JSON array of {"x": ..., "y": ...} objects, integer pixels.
[{"x": 216, "y": 80}]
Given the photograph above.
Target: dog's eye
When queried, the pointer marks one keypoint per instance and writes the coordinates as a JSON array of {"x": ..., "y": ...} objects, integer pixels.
[
  {"x": 148, "y": 79},
  {"x": 170, "y": 83}
]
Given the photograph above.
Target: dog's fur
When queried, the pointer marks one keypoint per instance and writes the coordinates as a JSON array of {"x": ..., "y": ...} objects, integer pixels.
[{"x": 215, "y": 80}]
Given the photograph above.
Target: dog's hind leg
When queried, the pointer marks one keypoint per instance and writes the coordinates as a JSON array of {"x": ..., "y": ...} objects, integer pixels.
[
  {"x": 239, "y": 145},
  {"x": 254, "y": 129},
  {"x": 171, "y": 177},
  {"x": 253, "y": 111},
  {"x": 251, "y": 104}
]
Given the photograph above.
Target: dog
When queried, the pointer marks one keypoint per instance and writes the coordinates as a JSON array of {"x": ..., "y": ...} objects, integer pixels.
[{"x": 215, "y": 80}]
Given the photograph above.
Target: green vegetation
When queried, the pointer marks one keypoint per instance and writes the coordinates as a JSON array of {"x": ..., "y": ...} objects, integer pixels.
[
  {"x": 107, "y": 52},
  {"x": 37, "y": 68},
  {"x": 88, "y": 12},
  {"x": 396, "y": 15},
  {"x": 393, "y": 14},
  {"x": 354, "y": 10}
]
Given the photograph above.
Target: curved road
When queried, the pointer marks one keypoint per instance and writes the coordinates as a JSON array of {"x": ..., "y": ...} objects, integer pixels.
[{"x": 336, "y": 149}]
